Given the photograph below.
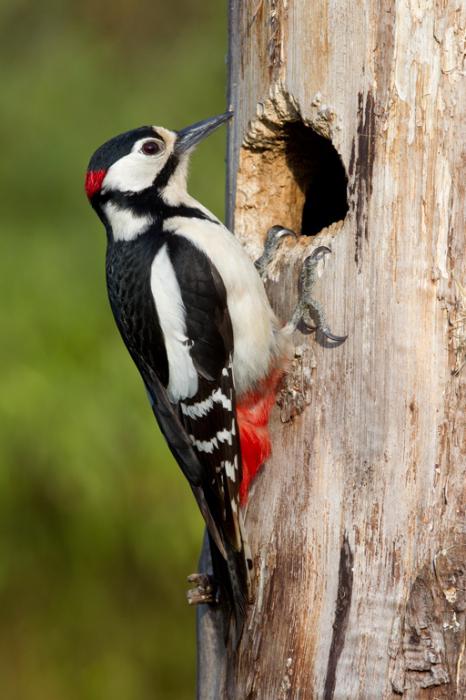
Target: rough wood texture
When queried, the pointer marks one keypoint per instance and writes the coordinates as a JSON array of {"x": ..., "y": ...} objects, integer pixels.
[{"x": 357, "y": 524}]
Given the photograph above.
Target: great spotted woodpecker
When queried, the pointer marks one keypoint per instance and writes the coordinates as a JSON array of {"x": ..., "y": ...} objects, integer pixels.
[{"x": 192, "y": 310}]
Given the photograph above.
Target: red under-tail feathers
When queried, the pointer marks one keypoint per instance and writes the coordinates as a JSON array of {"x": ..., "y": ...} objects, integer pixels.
[{"x": 253, "y": 413}]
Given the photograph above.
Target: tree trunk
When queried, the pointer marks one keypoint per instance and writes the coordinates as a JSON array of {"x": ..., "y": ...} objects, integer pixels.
[{"x": 349, "y": 122}]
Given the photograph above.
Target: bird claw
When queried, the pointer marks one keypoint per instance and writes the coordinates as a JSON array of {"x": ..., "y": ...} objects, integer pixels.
[
  {"x": 319, "y": 253},
  {"x": 307, "y": 305},
  {"x": 276, "y": 232},
  {"x": 273, "y": 240},
  {"x": 204, "y": 592},
  {"x": 330, "y": 336}
]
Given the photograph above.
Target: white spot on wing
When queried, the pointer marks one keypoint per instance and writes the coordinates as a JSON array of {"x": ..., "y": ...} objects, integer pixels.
[
  {"x": 204, "y": 445},
  {"x": 182, "y": 375},
  {"x": 220, "y": 397},
  {"x": 220, "y": 437},
  {"x": 231, "y": 468},
  {"x": 197, "y": 410},
  {"x": 202, "y": 408},
  {"x": 225, "y": 436}
]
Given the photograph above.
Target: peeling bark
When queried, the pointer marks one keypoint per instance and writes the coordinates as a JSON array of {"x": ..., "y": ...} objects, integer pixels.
[{"x": 357, "y": 524}]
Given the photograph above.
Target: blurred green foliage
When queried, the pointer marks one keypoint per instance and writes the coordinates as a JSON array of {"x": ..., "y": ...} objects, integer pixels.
[{"x": 98, "y": 529}]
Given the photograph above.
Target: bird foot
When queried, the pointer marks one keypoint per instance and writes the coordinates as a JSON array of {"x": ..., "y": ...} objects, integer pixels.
[
  {"x": 273, "y": 241},
  {"x": 308, "y": 307},
  {"x": 205, "y": 590}
]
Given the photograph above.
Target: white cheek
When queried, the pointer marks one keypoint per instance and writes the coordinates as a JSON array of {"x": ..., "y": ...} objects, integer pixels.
[{"x": 132, "y": 173}]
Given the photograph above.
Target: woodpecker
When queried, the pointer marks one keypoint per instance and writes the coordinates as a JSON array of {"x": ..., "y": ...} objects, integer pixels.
[{"x": 193, "y": 313}]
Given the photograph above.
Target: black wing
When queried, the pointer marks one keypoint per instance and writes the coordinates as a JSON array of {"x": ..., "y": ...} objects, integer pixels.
[
  {"x": 209, "y": 416},
  {"x": 201, "y": 430}
]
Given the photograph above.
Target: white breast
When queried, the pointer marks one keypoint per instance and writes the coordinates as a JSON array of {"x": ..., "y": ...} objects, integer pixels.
[{"x": 254, "y": 323}]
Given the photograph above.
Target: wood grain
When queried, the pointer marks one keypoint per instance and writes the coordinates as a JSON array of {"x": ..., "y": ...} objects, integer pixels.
[{"x": 357, "y": 523}]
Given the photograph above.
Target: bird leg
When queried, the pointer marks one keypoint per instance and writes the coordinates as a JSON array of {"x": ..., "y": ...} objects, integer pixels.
[
  {"x": 205, "y": 590},
  {"x": 307, "y": 306},
  {"x": 275, "y": 236}
]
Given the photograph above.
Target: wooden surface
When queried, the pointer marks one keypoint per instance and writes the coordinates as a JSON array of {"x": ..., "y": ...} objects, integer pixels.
[{"x": 357, "y": 524}]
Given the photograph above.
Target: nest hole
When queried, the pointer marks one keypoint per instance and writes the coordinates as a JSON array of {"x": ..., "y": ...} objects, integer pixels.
[
  {"x": 319, "y": 174},
  {"x": 290, "y": 175}
]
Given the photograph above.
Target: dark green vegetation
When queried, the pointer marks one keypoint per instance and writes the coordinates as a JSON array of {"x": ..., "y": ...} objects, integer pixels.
[{"x": 97, "y": 526}]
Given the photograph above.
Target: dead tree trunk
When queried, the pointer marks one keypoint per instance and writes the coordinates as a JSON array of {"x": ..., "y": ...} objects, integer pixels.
[{"x": 349, "y": 123}]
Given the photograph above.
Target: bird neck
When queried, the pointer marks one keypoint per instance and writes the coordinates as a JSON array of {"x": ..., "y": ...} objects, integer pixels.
[
  {"x": 175, "y": 191},
  {"x": 127, "y": 216},
  {"x": 124, "y": 224}
]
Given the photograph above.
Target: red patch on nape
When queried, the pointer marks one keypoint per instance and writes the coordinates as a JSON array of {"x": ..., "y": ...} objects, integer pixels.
[
  {"x": 253, "y": 413},
  {"x": 94, "y": 179}
]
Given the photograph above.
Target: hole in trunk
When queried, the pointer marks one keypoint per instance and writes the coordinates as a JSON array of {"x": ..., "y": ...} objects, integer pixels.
[
  {"x": 320, "y": 175},
  {"x": 289, "y": 172}
]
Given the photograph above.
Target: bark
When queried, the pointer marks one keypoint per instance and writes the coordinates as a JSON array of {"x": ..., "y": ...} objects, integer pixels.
[{"x": 357, "y": 524}]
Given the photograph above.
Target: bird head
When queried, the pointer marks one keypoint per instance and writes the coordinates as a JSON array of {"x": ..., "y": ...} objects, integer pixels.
[{"x": 149, "y": 158}]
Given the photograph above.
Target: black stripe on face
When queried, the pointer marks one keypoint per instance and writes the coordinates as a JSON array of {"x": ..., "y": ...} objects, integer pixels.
[
  {"x": 167, "y": 171},
  {"x": 150, "y": 202}
]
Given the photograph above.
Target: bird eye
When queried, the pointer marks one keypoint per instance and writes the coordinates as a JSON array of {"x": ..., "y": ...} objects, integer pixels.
[{"x": 151, "y": 148}]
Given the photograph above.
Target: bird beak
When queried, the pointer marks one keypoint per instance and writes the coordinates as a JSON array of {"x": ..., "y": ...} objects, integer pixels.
[{"x": 192, "y": 135}]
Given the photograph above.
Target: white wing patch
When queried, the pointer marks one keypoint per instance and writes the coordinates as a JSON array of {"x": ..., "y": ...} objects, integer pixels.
[{"x": 182, "y": 375}]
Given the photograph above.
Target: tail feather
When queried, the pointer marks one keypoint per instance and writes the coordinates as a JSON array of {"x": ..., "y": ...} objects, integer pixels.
[
  {"x": 231, "y": 564},
  {"x": 238, "y": 576},
  {"x": 232, "y": 577}
]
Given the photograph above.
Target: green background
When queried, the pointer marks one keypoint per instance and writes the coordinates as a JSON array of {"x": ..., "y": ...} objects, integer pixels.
[{"x": 98, "y": 529}]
